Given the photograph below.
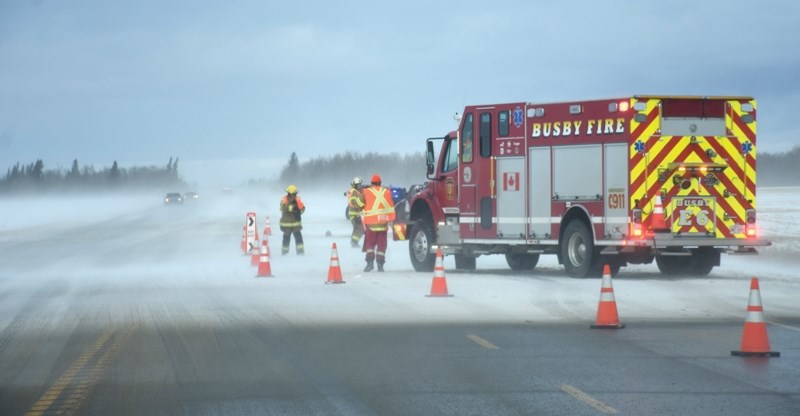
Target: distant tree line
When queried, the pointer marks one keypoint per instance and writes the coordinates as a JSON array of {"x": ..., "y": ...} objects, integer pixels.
[
  {"x": 780, "y": 169},
  {"x": 33, "y": 178},
  {"x": 340, "y": 169}
]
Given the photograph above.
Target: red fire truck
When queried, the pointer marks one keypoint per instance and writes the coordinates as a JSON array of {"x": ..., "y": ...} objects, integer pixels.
[{"x": 588, "y": 180}]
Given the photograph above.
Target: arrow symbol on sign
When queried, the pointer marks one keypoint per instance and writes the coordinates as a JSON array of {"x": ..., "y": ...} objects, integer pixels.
[{"x": 251, "y": 220}]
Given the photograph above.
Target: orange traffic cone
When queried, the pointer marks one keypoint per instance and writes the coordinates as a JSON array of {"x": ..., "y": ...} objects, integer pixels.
[
  {"x": 607, "y": 317},
  {"x": 657, "y": 221},
  {"x": 439, "y": 285},
  {"x": 334, "y": 271},
  {"x": 267, "y": 228},
  {"x": 264, "y": 269},
  {"x": 254, "y": 253},
  {"x": 755, "y": 341}
]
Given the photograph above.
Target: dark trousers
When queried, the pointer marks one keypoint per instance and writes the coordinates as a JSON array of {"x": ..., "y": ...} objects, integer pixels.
[
  {"x": 358, "y": 231},
  {"x": 298, "y": 240},
  {"x": 375, "y": 244}
]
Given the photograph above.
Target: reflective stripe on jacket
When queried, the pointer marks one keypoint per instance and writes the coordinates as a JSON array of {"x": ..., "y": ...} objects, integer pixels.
[
  {"x": 355, "y": 203},
  {"x": 291, "y": 212},
  {"x": 379, "y": 208}
]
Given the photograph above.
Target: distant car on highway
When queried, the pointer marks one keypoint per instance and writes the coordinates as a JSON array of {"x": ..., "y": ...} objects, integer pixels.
[
  {"x": 188, "y": 196},
  {"x": 173, "y": 198}
]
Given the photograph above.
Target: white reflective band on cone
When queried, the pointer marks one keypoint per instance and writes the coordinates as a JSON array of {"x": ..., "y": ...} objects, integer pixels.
[
  {"x": 753, "y": 316},
  {"x": 607, "y": 297},
  {"x": 755, "y": 298}
]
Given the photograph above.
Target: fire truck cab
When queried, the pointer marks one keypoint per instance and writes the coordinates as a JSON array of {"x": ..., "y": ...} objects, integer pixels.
[{"x": 600, "y": 182}]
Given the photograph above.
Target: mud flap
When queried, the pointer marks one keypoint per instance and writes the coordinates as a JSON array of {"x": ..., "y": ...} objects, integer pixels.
[{"x": 399, "y": 232}]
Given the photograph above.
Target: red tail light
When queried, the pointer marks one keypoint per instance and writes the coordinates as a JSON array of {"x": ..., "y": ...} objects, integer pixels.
[
  {"x": 636, "y": 225},
  {"x": 750, "y": 223}
]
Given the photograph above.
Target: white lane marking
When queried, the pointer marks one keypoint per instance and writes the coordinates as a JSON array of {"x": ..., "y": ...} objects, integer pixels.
[
  {"x": 789, "y": 327},
  {"x": 589, "y": 400},
  {"x": 482, "y": 342}
]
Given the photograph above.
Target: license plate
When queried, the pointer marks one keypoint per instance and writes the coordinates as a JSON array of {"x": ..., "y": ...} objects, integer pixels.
[{"x": 694, "y": 215}]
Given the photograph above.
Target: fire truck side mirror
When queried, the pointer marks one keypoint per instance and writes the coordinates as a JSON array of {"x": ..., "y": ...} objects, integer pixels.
[{"x": 429, "y": 158}]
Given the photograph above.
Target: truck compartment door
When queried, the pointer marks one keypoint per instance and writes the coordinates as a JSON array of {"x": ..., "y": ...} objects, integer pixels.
[
  {"x": 540, "y": 195},
  {"x": 616, "y": 190},
  {"x": 578, "y": 172},
  {"x": 511, "y": 197}
]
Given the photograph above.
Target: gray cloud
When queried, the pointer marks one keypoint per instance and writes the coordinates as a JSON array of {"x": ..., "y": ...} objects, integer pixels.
[{"x": 200, "y": 80}]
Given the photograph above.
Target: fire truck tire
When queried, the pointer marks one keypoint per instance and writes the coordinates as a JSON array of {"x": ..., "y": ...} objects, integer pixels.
[
  {"x": 577, "y": 250},
  {"x": 674, "y": 265},
  {"x": 703, "y": 261},
  {"x": 465, "y": 262},
  {"x": 600, "y": 262},
  {"x": 419, "y": 246},
  {"x": 522, "y": 261}
]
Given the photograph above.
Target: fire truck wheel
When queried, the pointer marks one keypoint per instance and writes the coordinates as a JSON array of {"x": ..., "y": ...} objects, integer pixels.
[
  {"x": 600, "y": 262},
  {"x": 522, "y": 261},
  {"x": 577, "y": 249},
  {"x": 673, "y": 265},
  {"x": 419, "y": 246},
  {"x": 465, "y": 262},
  {"x": 703, "y": 261}
]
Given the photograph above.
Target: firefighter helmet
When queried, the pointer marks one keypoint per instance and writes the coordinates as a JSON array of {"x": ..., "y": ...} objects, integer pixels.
[
  {"x": 291, "y": 189},
  {"x": 356, "y": 181}
]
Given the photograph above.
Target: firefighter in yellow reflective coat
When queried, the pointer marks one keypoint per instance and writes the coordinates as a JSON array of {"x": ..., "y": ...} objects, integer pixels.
[
  {"x": 292, "y": 208},
  {"x": 355, "y": 204}
]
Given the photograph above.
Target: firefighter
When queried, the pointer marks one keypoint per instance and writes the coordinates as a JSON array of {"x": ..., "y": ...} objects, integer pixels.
[
  {"x": 355, "y": 204},
  {"x": 292, "y": 208},
  {"x": 378, "y": 213}
]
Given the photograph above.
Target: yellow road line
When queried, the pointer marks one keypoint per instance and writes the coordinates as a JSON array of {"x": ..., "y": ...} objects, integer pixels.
[
  {"x": 79, "y": 378},
  {"x": 63, "y": 381},
  {"x": 482, "y": 342},
  {"x": 589, "y": 400}
]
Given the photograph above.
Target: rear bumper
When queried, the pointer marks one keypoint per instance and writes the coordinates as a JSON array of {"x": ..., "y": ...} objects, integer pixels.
[
  {"x": 665, "y": 240},
  {"x": 666, "y": 243}
]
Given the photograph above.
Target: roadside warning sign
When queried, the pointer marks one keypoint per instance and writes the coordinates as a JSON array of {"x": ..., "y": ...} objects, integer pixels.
[{"x": 251, "y": 233}]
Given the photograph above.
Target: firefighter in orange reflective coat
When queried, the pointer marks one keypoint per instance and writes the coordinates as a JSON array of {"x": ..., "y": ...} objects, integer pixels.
[{"x": 378, "y": 213}]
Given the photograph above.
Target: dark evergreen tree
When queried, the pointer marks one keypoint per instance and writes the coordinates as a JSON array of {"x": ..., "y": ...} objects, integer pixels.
[{"x": 113, "y": 173}]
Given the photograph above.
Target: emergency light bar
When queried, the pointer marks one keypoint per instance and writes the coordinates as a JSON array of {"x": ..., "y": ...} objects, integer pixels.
[
  {"x": 622, "y": 106},
  {"x": 696, "y": 167}
]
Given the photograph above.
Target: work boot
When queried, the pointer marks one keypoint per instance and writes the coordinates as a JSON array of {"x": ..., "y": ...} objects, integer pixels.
[
  {"x": 369, "y": 267},
  {"x": 284, "y": 251},
  {"x": 380, "y": 266}
]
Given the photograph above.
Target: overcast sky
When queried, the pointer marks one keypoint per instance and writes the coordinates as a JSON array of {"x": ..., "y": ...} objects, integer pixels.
[{"x": 233, "y": 87}]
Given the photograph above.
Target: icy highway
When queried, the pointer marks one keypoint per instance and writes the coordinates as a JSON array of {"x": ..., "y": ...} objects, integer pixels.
[{"x": 121, "y": 305}]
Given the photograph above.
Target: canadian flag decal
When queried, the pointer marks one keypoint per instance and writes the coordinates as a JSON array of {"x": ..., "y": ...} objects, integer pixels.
[{"x": 511, "y": 181}]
